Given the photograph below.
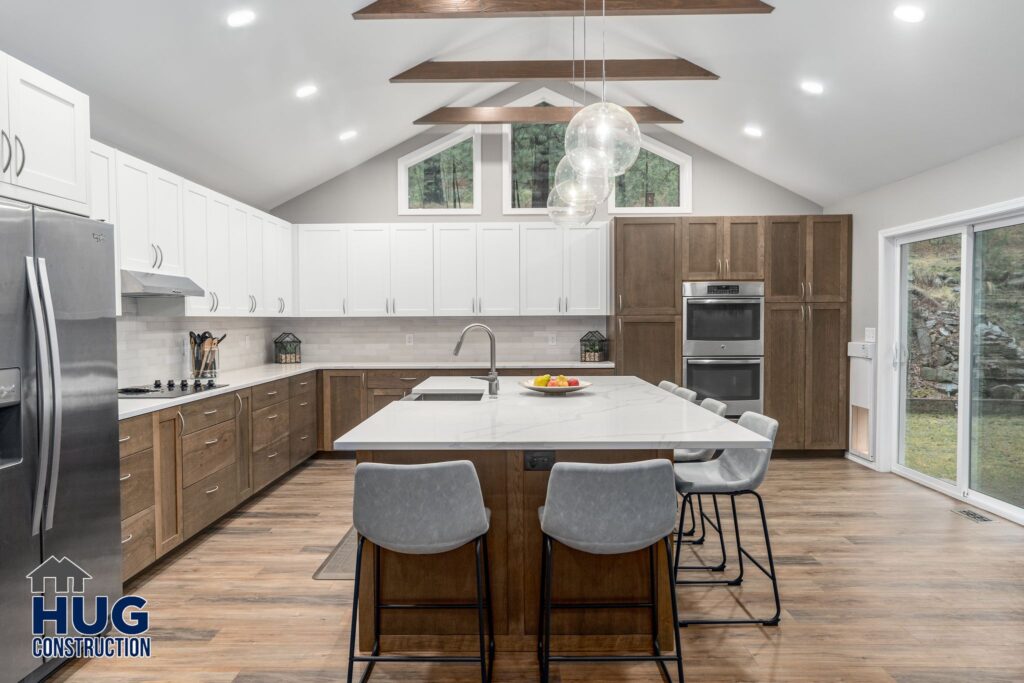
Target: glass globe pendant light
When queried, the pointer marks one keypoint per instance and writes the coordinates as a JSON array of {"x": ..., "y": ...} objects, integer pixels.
[
  {"x": 568, "y": 212},
  {"x": 589, "y": 182},
  {"x": 606, "y": 132}
]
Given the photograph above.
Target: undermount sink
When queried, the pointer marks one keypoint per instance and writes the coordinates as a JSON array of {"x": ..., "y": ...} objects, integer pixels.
[{"x": 444, "y": 397}]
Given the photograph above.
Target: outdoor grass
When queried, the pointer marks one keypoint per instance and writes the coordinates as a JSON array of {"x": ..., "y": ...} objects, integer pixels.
[{"x": 998, "y": 455}]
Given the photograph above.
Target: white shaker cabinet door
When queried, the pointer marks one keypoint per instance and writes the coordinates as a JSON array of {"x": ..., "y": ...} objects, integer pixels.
[
  {"x": 238, "y": 262},
  {"x": 138, "y": 252},
  {"x": 369, "y": 277},
  {"x": 195, "y": 224},
  {"x": 6, "y": 134},
  {"x": 455, "y": 269},
  {"x": 49, "y": 132},
  {"x": 286, "y": 268},
  {"x": 322, "y": 270},
  {"x": 412, "y": 269},
  {"x": 541, "y": 264},
  {"x": 165, "y": 221},
  {"x": 586, "y": 270},
  {"x": 497, "y": 268},
  {"x": 254, "y": 262},
  {"x": 102, "y": 194},
  {"x": 270, "y": 304},
  {"x": 218, "y": 249}
]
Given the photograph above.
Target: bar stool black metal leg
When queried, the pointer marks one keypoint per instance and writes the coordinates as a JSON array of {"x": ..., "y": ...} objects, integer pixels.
[
  {"x": 355, "y": 610},
  {"x": 546, "y": 656},
  {"x": 540, "y": 610},
  {"x": 739, "y": 545},
  {"x": 679, "y": 534},
  {"x": 490, "y": 611},
  {"x": 480, "y": 611},
  {"x": 774, "y": 621},
  {"x": 675, "y": 613},
  {"x": 721, "y": 566}
]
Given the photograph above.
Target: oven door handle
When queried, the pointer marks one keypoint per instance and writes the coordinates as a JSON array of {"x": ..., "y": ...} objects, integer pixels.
[
  {"x": 724, "y": 361},
  {"x": 694, "y": 300}
]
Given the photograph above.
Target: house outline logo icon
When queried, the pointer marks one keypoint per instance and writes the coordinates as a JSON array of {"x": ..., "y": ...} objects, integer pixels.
[{"x": 67, "y": 577}]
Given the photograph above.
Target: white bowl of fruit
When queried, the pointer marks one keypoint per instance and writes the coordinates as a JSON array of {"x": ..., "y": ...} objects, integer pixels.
[{"x": 554, "y": 384}]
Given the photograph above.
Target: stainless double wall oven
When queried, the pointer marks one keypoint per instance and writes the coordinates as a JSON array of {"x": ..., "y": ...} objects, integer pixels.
[{"x": 723, "y": 343}]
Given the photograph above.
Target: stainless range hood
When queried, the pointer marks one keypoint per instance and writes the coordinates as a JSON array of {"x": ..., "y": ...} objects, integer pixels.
[{"x": 138, "y": 284}]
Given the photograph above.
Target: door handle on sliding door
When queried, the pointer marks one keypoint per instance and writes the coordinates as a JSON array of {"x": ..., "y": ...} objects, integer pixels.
[
  {"x": 45, "y": 391},
  {"x": 58, "y": 399}
]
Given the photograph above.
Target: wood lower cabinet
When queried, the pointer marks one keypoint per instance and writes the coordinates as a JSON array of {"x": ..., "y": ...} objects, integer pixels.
[
  {"x": 647, "y": 272},
  {"x": 138, "y": 542},
  {"x": 209, "y": 499},
  {"x": 343, "y": 404},
  {"x": 806, "y": 374},
  {"x": 649, "y": 347},
  {"x": 379, "y": 398},
  {"x": 167, "y": 452}
]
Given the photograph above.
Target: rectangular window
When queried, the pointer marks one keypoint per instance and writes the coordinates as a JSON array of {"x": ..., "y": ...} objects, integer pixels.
[{"x": 536, "y": 150}]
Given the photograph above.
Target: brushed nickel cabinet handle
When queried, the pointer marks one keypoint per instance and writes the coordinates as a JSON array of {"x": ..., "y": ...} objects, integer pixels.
[
  {"x": 161, "y": 250},
  {"x": 803, "y": 292},
  {"x": 802, "y": 314},
  {"x": 125, "y": 540},
  {"x": 302, "y": 384},
  {"x": 344, "y": 307},
  {"x": 10, "y": 152},
  {"x": 124, "y": 439},
  {"x": 271, "y": 393},
  {"x": 210, "y": 412},
  {"x": 156, "y": 256},
  {"x": 719, "y": 261},
  {"x": 21, "y": 167},
  {"x": 272, "y": 456},
  {"x": 212, "y": 442},
  {"x": 182, "y": 418},
  {"x": 304, "y": 404},
  {"x": 303, "y": 438},
  {"x": 272, "y": 417},
  {"x": 213, "y": 302},
  {"x": 126, "y": 477},
  {"x": 213, "y": 490},
  {"x": 810, "y": 290},
  {"x": 620, "y": 303},
  {"x": 408, "y": 379},
  {"x": 728, "y": 268}
]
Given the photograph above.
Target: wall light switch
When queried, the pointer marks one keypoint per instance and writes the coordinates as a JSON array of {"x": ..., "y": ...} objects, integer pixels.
[
  {"x": 409, "y": 340},
  {"x": 869, "y": 334},
  {"x": 552, "y": 339},
  {"x": 246, "y": 341}
]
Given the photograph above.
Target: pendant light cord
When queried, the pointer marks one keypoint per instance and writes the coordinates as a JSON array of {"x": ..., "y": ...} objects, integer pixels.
[
  {"x": 584, "y": 53},
  {"x": 604, "y": 60}
]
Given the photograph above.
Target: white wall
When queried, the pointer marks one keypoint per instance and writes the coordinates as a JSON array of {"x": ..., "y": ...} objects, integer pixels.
[
  {"x": 986, "y": 177},
  {"x": 369, "y": 192}
]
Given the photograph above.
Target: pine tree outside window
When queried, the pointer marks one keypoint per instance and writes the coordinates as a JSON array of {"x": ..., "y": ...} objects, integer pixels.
[
  {"x": 442, "y": 178},
  {"x": 659, "y": 182}
]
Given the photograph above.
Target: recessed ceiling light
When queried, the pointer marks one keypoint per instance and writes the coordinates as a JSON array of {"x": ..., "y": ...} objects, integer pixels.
[
  {"x": 242, "y": 17},
  {"x": 347, "y": 135},
  {"x": 812, "y": 87},
  {"x": 305, "y": 91},
  {"x": 753, "y": 131},
  {"x": 912, "y": 14}
]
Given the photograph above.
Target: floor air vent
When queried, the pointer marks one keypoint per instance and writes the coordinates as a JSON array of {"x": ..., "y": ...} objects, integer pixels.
[{"x": 973, "y": 516}]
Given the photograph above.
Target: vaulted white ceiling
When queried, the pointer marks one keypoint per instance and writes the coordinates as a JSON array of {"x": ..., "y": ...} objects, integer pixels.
[{"x": 171, "y": 83}]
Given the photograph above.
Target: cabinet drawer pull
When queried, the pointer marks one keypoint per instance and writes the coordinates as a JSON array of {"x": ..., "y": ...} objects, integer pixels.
[
  {"x": 304, "y": 404},
  {"x": 271, "y": 393},
  {"x": 210, "y": 412},
  {"x": 303, "y": 438},
  {"x": 213, "y": 490},
  {"x": 272, "y": 456},
  {"x": 125, "y": 540},
  {"x": 126, "y": 477},
  {"x": 272, "y": 417},
  {"x": 408, "y": 379},
  {"x": 302, "y": 384},
  {"x": 125, "y": 439},
  {"x": 212, "y": 442}
]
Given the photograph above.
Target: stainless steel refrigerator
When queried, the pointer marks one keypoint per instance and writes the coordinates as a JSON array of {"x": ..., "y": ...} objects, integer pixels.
[{"x": 59, "y": 463}]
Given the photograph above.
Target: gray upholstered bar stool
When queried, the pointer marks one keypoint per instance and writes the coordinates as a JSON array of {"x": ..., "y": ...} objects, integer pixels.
[
  {"x": 609, "y": 510},
  {"x": 421, "y": 510},
  {"x": 665, "y": 385},
  {"x": 689, "y": 394},
  {"x": 737, "y": 472},
  {"x": 700, "y": 455}
]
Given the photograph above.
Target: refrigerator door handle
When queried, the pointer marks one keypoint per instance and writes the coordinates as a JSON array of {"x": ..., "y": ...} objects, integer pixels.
[
  {"x": 45, "y": 388},
  {"x": 58, "y": 399}
]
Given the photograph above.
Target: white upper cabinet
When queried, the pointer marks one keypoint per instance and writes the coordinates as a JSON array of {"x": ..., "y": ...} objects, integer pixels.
[
  {"x": 585, "y": 291},
  {"x": 240, "y": 301},
  {"x": 103, "y": 200},
  {"x": 286, "y": 268},
  {"x": 277, "y": 267},
  {"x": 254, "y": 262},
  {"x": 455, "y": 284},
  {"x": 44, "y": 139},
  {"x": 149, "y": 222},
  {"x": 218, "y": 246},
  {"x": 369, "y": 276},
  {"x": 497, "y": 268},
  {"x": 412, "y": 269},
  {"x": 322, "y": 270},
  {"x": 205, "y": 216},
  {"x": 541, "y": 263}
]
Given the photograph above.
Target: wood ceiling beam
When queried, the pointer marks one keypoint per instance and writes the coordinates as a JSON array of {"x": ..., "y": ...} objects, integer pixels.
[
  {"x": 468, "y": 115},
  {"x": 546, "y": 70},
  {"x": 453, "y": 9}
]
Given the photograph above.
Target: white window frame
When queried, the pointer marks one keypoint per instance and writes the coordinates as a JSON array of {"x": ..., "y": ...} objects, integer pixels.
[
  {"x": 404, "y": 163},
  {"x": 890, "y": 346},
  {"x": 540, "y": 96},
  {"x": 685, "y": 162}
]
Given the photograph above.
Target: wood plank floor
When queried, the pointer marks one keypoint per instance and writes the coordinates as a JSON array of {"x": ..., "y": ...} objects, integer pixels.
[{"x": 880, "y": 582}]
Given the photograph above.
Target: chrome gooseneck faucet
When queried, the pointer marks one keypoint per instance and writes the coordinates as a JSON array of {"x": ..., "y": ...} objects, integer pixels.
[{"x": 492, "y": 376}]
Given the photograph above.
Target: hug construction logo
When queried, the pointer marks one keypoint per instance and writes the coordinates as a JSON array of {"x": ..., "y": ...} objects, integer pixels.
[{"x": 62, "y": 627}]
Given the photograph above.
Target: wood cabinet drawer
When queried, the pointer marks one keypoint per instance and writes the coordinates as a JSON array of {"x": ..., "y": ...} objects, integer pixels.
[
  {"x": 206, "y": 451},
  {"x": 136, "y": 434},
  {"x": 209, "y": 498},
  {"x": 303, "y": 385},
  {"x": 302, "y": 411},
  {"x": 271, "y": 462},
  {"x": 138, "y": 542},
  {"x": 303, "y": 442},
  {"x": 269, "y": 425},
  {"x": 396, "y": 379},
  {"x": 137, "y": 483},
  {"x": 270, "y": 393},
  {"x": 203, "y": 414}
]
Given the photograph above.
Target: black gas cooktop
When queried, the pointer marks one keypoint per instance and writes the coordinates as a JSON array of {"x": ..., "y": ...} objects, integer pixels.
[{"x": 170, "y": 389}]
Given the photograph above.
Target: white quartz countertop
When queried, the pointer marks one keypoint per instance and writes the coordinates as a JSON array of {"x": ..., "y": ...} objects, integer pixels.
[
  {"x": 614, "y": 413},
  {"x": 241, "y": 379}
]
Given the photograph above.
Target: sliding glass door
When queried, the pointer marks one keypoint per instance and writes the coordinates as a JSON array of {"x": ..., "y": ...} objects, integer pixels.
[
  {"x": 997, "y": 364},
  {"x": 960, "y": 362}
]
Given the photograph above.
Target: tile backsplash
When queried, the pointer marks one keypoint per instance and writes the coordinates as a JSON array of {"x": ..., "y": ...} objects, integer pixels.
[{"x": 151, "y": 347}]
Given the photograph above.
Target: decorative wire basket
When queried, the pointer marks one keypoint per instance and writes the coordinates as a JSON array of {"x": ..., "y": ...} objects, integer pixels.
[
  {"x": 287, "y": 349},
  {"x": 593, "y": 348}
]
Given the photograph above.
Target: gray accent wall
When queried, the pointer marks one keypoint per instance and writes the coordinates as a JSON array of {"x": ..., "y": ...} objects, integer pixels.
[
  {"x": 986, "y": 177},
  {"x": 368, "y": 193}
]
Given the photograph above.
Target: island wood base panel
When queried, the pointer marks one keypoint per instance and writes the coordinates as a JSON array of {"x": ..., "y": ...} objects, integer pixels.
[{"x": 513, "y": 495}]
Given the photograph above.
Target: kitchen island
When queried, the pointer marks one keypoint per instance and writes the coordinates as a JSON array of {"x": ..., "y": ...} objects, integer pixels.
[{"x": 513, "y": 440}]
